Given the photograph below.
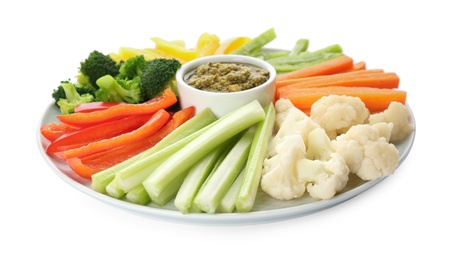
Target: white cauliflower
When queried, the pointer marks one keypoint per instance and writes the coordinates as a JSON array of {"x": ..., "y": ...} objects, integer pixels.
[
  {"x": 367, "y": 152},
  {"x": 323, "y": 170},
  {"x": 279, "y": 179},
  {"x": 289, "y": 121},
  {"x": 400, "y": 116},
  {"x": 337, "y": 113}
]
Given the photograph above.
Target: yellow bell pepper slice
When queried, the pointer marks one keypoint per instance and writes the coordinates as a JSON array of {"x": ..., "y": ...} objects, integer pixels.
[
  {"x": 231, "y": 45},
  {"x": 174, "y": 49},
  {"x": 207, "y": 44}
]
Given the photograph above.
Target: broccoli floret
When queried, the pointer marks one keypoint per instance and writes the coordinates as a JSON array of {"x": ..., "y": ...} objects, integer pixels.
[
  {"x": 73, "y": 98},
  {"x": 132, "y": 67},
  {"x": 157, "y": 75},
  {"x": 119, "y": 90},
  {"x": 59, "y": 92},
  {"x": 95, "y": 66}
]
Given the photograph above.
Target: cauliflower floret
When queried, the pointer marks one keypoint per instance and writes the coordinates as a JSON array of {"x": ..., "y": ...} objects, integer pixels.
[
  {"x": 323, "y": 170},
  {"x": 400, "y": 116},
  {"x": 337, "y": 113},
  {"x": 279, "y": 179},
  {"x": 367, "y": 152},
  {"x": 289, "y": 121},
  {"x": 324, "y": 178}
]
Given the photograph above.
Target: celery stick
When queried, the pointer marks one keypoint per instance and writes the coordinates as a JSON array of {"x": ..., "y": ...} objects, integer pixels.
[
  {"x": 170, "y": 191},
  {"x": 138, "y": 195},
  {"x": 222, "y": 130},
  {"x": 101, "y": 179},
  {"x": 256, "y": 43},
  {"x": 300, "y": 61},
  {"x": 196, "y": 177},
  {"x": 218, "y": 183},
  {"x": 113, "y": 190},
  {"x": 253, "y": 168},
  {"x": 300, "y": 46},
  {"x": 227, "y": 204}
]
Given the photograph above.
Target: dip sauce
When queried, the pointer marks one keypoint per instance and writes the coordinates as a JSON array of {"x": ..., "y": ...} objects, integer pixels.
[{"x": 227, "y": 77}]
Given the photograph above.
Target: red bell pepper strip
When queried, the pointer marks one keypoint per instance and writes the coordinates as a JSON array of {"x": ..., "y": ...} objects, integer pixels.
[
  {"x": 52, "y": 131},
  {"x": 97, "y": 132},
  {"x": 156, "y": 121},
  {"x": 94, "y": 106},
  {"x": 163, "y": 101},
  {"x": 89, "y": 165}
]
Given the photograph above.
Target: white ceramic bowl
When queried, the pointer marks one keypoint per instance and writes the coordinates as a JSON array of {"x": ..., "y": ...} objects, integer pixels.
[{"x": 221, "y": 103}]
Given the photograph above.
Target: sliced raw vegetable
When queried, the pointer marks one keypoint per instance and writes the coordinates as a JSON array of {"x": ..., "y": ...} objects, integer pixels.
[
  {"x": 300, "y": 46},
  {"x": 138, "y": 195},
  {"x": 196, "y": 176},
  {"x": 163, "y": 101},
  {"x": 97, "y": 132},
  {"x": 156, "y": 121},
  {"x": 227, "y": 204},
  {"x": 114, "y": 190},
  {"x": 253, "y": 168},
  {"x": 89, "y": 165},
  {"x": 333, "y": 66},
  {"x": 175, "y": 49},
  {"x": 207, "y": 44},
  {"x": 94, "y": 106},
  {"x": 257, "y": 43},
  {"x": 53, "y": 130},
  {"x": 225, "y": 128},
  {"x": 374, "y": 79},
  {"x": 375, "y": 99},
  {"x": 219, "y": 182},
  {"x": 101, "y": 179}
]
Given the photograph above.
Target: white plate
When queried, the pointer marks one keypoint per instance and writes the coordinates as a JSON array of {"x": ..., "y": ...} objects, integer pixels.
[{"x": 266, "y": 209}]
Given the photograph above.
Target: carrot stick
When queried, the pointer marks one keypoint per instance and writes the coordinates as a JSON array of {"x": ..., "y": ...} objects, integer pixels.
[
  {"x": 360, "y": 65},
  {"x": 352, "y": 79},
  {"x": 283, "y": 83},
  {"x": 163, "y": 101},
  {"x": 375, "y": 99},
  {"x": 156, "y": 121},
  {"x": 335, "y": 65},
  {"x": 91, "y": 164}
]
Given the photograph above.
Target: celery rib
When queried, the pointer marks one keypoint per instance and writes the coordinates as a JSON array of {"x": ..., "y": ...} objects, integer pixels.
[
  {"x": 223, "y": 129},
  {"x": 253, "y": 168},
  {"x": 218, "y": 183}
]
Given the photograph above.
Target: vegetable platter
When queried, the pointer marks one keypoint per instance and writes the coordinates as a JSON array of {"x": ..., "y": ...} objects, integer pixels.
[{"x": 265, "y": 208}]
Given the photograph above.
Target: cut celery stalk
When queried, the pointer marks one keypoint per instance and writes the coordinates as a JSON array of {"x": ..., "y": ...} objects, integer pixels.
[
  {"x": 227, "y": 204},
  {"x": 222, "y": 130},
  {"x": 196, "y": 177},
  {"x": 170, "y": 191},
  {"x": 300, "y": 46},
  {"x": 253, "y": 168},
  {"x": 113, "y": 190},
  {"x": 101, "y": 179},
  {"x": 138, "y": 195},
  {"x": 257, "y": 43},
  {"x": 218, "y": 183}
]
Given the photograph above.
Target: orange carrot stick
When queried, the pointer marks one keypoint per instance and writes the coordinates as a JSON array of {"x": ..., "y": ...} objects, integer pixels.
[
  {"x": 156, "y": 121},
  {"x": 163, "y": 101},
  {"x": 360, "y": 65},
  {"x": 375, "y": 99},
  {"x": 283, "y": 83},
  {"x": 352, "y": 79},
  {"x": 336, "y": 65}
]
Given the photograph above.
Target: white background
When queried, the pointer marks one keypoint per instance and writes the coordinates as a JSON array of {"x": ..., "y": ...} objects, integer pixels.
[{"x": 408, "y": 215}]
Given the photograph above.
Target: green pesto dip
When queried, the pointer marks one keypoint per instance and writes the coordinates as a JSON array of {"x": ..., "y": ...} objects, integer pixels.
[{"x": 227, "y": 77}]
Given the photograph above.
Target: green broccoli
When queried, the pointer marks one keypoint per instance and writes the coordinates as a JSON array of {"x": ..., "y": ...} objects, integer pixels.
[
  {"x": 73, "y": 98},
  {"x": 132, "y": 67},
  {"x": 59, "y": 92},
  {"x": 157, "y": 75},
  {"x": 119, "y": 90},
  {"x": 95, "y": 66}
]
